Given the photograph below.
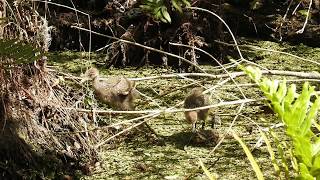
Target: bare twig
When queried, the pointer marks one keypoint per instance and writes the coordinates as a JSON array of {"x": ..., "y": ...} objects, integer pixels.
[
  {"x": 214, "y": 14},
  {"x": 229, "y": 129},
  {"x": 307, "y": 18},
  {"x": 143, "y": 46},
  {"x": 284, "y": 19},
  {"x": 165, "y": 110},
  {"x": 127, "y": 129},
  {"x": 271, "y": 50},
  {"x": 311, "y": 75},
  {"x": 314, "y": 76}
]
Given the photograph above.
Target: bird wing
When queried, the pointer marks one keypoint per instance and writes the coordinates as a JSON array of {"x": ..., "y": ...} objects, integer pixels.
[
  {"x": 116, "y": 85},
  {"x": 105, "y": 86},
  {"x": 124, "y": 86}
]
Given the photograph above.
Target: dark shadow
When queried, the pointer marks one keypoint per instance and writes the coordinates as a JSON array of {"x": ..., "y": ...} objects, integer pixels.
[
  {"x": 201, "y": 138},
  {"x": 15, "y": 154},
  {"x": 20, "y": 160}
]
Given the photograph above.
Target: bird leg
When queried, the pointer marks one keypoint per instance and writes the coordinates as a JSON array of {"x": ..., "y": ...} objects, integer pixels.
[
  {"x": 194, "y": 129},
  {"x": 151, "y": 130},
  {"x": 203, "y": 124}
]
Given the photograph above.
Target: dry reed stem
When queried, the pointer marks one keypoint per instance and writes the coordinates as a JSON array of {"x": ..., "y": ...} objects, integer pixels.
[
  {"x": 313, "y": 76},
  {"x": 271, "y": 50},
  {"x": 165, "y": 111}
]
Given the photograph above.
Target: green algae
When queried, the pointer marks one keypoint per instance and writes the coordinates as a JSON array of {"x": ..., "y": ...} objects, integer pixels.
[{"x": 143, "y": 156}]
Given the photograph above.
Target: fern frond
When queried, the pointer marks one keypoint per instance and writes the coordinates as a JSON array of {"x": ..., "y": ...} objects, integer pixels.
[{"x": 19, "y": 52}]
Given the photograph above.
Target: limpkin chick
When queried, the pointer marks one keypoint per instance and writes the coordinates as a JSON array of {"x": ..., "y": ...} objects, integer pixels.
[
  {"x": 194, "y": 100},
  {"x": 118, "y": 92}
]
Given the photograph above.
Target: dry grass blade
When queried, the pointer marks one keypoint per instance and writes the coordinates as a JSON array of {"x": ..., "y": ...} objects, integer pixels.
[
  {"x": 206, "y": 171},
  {"x": 253, "y": 163},
  {"x": 270, "y": 150}
]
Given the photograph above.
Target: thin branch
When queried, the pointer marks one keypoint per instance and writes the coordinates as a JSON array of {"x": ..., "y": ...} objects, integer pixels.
[
  {"x": 229, "y": 129},
  {"x": 284, "y": 19},
  {"x": 311, "y": 75},
  {"x": 164, "y": 111},
  {"x": 271, "y": 50},
  {"x": 126, "y": 130},
  {"x": 140, "y": 45},
  {"x": 226, "y": 25},
  {"x": 155, "y": 114},
  {"x": 306, "y": 21}
]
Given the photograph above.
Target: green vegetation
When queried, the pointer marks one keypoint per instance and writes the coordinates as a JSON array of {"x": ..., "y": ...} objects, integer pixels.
[
  {"x": 159, "y": 9},
  {"x": 298, "y": 113},
  {"x": 54, "y": 126},
  {"x": 22, "y": 53}
]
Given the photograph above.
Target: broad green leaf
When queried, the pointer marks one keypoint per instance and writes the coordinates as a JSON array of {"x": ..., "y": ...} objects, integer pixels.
[
  {"x": 165, "y": 14},
  {"x": 273, "y": 88},
  {"x": 146, "y": 7},
  {"x": 315, "y": 169},
  {"x": 270, "y": 150},
  {"x": 157, "y": 9},
  {"x": 303, "y": 149},
  {"x": 253, "y": 73},
  {"x": 313, "y": 111},
  {"x": 163, "y": 19},
  {"x": 264, "y": 86},
  {"x": 289, "y": 98},
  {"x": 176, "y": 5},
  {"x": 316, "y": 148},
  {"x": 256, "y": 75},
  {"x": 186, "y": 2},
  {"x": 282, "y": 91},
  {"x": 306, "y": 125},
  {"x": 301, "y": 105},
  {"x": 303, "y": 12},
  {"x": 278, "y": 109},
  {"x": 304, "y": 172},
  {"x": 298, "y": 113}
]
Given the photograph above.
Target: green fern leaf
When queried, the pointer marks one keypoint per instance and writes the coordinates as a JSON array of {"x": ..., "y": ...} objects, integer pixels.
[
  {"x": 165, "y": 14},
  {"x": 187, "y": 3},
  {"x": 176, "y": 5},
  {"x": 19, "y": 52}
]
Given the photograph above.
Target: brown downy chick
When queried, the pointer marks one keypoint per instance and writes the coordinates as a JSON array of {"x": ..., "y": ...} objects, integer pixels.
[
  {"x": 194, "y": 100},
  {"x": 118, "y": 92}
]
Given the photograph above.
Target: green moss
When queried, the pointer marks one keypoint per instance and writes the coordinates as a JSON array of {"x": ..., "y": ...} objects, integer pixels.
[{"x": 141, "y": 156}]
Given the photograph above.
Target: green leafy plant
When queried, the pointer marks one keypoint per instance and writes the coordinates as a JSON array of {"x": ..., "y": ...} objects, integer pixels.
[
  {"x": 177, "y": 4},
  {"x": 19, "y": 52},
  {"x": 297, "y": 112},
  {"x": 159, "y": 9}
]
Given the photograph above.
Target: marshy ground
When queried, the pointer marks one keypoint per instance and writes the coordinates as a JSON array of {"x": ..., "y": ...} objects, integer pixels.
[{"x": 139, "y": 154}]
